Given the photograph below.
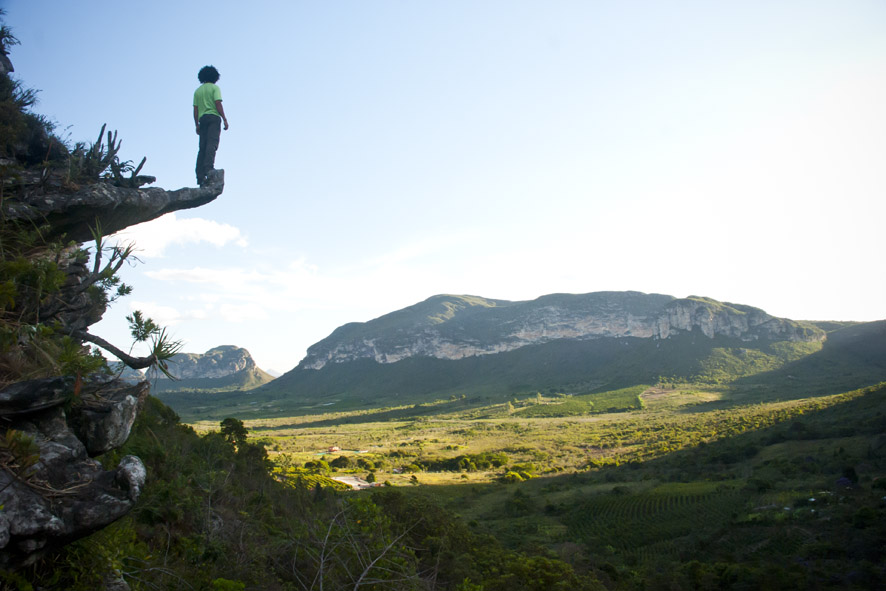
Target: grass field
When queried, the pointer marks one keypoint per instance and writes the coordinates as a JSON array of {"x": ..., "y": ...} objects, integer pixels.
[{"x": 685, "y": 465}]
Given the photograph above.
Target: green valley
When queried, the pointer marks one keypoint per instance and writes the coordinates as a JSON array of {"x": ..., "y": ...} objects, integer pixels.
[{"x": 623, "y": 463}]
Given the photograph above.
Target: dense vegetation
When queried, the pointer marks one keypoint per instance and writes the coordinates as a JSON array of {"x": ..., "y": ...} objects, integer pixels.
[
  {"x": 785, "y": 495},
  {"x": 214, "y": 516}
]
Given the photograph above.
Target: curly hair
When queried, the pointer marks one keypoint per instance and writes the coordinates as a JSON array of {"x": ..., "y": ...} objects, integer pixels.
[{"x": 208, "y": 74}]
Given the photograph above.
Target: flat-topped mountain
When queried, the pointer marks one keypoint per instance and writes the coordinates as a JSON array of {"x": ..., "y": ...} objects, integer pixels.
[
  {"x": 469, "y": 346},
  {"x": 485, "y": 351},
  {"x": 221, "y": 368},
  {"x": 456, "y": 327}
]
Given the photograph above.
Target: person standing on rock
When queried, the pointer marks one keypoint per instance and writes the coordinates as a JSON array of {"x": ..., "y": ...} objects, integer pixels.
[{"x": 208, "y": 117}]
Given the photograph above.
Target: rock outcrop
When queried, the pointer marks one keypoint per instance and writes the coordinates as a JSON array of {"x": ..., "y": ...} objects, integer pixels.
[
  {"x": 52, "y": 489},
  {"x": 226, "y": 368},
  {"x": 455, "y": 327},
  {"x": 216, "y": 363},
  {"x": 107, "y": 206}
]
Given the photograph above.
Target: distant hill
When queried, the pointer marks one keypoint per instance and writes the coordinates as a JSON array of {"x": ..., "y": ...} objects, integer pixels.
[
  {"x": 466, "y": 345},
  {"x": 225, "y": 368}
]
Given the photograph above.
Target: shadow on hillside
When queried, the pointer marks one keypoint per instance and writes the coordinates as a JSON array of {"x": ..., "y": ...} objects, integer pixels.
[
  {"x": 406, "y": 413},
  {"x": 746, "y": 460},
  {"x": 852, "y": 357}
]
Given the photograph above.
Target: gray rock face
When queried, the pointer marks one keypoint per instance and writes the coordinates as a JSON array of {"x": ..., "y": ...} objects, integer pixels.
[
  {"x": 215, "y": 363},
  {"x": 51, "y": 489},
  {"x": 114, "y": 207},
  {"x": 454, "y": 327},
  {"x": 34, "y": 395},
  {"x": 103, "y": 421}
]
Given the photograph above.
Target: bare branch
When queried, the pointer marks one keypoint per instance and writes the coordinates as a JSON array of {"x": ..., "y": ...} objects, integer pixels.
[
  {"x": 376, "y": 559},
  {"x": 133, "y": 362}
]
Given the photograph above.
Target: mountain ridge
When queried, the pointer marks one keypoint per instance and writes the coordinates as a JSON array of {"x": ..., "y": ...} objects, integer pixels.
[
  {"x": 757, "y": 355},
  {"x": 458, "y": 326},
  {"x": 225, "y": 367}
]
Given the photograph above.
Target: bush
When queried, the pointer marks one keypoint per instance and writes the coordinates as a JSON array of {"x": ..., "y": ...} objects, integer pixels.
[
  {"x": 319, "y": 466},
  {"x": 341, "y": 462}
]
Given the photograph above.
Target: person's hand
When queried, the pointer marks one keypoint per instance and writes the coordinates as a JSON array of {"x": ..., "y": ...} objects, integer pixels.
[
  {"x": 198, "y": 130},
  {"x": 226, "y": 124}
]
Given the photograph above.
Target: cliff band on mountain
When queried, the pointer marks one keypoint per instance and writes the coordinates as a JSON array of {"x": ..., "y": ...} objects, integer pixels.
[{"x": 455, "y": 327}]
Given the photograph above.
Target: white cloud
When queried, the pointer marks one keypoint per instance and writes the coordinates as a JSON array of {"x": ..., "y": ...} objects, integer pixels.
[
  {"x": 152, "y": 238},
  {"x": 166, "y": 315}
]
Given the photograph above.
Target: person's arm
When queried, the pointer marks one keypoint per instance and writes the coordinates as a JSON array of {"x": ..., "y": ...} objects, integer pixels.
[
  {"x": 221, "y": 111},
  {"x": 196, "y": 120}
]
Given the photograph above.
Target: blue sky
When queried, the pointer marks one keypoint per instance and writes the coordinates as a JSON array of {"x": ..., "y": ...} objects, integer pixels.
[{"x": 384, "y": 152}]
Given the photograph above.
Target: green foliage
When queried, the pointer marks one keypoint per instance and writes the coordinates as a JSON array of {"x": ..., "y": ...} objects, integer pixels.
[
  {"x": 18, "y": 453},
  {"x": 141, "y": 327},
  {"x": 313, "y": 481},
  {"x": 15, "y": 581},
  {"x": 341, "y": 462},
  {"x": 317, "y": 466},
  {"x": 619, "y": 400},
  {"x": 35, "y": 295},
  {"x": 75, "y": 361},
  {"x": 512, "y": 477},
  {"x": 101, "y": 160},
  {"x": 221, "y": 584},
  {"x": 461, "y": 463},
  {"x": 234, "y": 431},
  {"x": 684, "y": 517}
]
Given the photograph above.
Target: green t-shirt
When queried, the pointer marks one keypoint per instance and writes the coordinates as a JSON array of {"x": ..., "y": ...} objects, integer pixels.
[{"x": 205, "y": 97}]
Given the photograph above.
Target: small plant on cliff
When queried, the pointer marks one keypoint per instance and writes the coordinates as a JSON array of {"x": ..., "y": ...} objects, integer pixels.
[
  {"x": 18, "y": 453},
  {"x": 101, "y": 161}
]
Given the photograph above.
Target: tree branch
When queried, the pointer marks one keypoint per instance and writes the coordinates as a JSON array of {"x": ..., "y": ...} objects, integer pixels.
[{"x": 133, "y": 362}]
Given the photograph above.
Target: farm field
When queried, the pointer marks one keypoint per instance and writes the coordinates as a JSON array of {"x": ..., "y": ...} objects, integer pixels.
[
  {"x": 687, "y": 472},
  {"x": 558, "y": 443}
]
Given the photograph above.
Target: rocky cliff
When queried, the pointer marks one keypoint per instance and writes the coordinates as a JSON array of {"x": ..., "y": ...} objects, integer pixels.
[
  {"x": 52, "y": 489},
  {"x": 221, "y": 368},
  {"x": 456, "y": 327},
  {"x": 215, "y": 363}
]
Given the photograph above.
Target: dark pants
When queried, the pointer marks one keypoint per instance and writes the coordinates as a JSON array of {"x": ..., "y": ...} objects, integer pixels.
[{"x": 210, "y": 131}]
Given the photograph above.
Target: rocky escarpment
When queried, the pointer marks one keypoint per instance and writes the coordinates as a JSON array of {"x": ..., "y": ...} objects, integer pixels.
[
  {"x": 455, "y": 327},
  {"x": 75, "y": 214},
  {"x": 52, "y": 489},
  {"x": 226, "y": 368},
  {"x": 216, "y": 363}
]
